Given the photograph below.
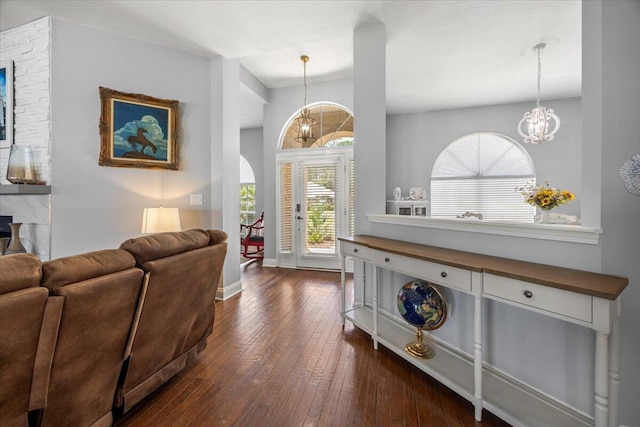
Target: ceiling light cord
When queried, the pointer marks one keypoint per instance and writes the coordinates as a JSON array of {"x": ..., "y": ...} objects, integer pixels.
[
  {"x": 305, "y": 59},
  {"x": 539, "y": 48},
  {"x": 305, "y": 122}
]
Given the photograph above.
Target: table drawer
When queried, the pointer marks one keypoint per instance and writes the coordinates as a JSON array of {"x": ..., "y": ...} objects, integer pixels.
[
  {"x": 353, "y": 249},
  {"x": 452, "y": 277},
  {"x": 558, "y": 301}
]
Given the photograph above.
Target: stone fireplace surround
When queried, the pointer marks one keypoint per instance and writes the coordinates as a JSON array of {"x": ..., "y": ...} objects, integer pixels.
[
  {"x": 33, "y": 212},
  {"x": 28, "y": 46}
]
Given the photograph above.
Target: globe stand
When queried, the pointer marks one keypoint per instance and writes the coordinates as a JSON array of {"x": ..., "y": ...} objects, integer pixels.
[{"x": 418, "y": 349}]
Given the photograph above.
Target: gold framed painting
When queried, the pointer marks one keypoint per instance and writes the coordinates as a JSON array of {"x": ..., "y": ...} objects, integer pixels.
[{"x": 138, "y": 131}]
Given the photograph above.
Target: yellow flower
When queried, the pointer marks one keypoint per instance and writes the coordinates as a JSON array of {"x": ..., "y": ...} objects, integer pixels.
[
  {"x": 544, "y": 196},
  {"x": 546, "y": 201}
]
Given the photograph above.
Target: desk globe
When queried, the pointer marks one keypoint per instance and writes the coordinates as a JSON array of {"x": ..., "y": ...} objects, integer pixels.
[{"x": 422, "y": 306}]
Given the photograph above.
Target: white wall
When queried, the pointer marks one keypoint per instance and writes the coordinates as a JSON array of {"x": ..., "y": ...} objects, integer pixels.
[
  {"x": 251, "y": 148},
  {"x": 96, "y": 207},
  {"x": 414, "y": 142}
]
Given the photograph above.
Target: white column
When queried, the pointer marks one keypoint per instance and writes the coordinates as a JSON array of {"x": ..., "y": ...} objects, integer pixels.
[
  {"x": 369, "y": 112},
  {"x": 225, "y": 161}
]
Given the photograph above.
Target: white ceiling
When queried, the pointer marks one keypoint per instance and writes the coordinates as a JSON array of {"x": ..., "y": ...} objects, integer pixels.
[{"x": 440, "y": 54}]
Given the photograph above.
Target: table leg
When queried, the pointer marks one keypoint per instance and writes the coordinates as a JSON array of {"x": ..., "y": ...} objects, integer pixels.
[
  {"x": 477, "y": 356},
  {"x": 374, "y": 283},
  {"x": 601, "y": 380},
  {"x": 614, "y": 372},
  {"x": 343, "y": 285}
]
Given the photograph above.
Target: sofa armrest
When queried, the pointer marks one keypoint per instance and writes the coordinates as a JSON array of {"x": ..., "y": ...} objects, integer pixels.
[{"x": 216, "y": 236}]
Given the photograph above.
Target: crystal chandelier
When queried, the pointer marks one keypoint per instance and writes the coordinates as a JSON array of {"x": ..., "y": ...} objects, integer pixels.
[
  {"x": 536, "y": 124},
  {"x": 305, "y": 122}
]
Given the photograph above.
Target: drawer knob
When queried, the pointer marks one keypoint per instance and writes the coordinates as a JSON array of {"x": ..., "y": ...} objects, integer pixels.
[
  {"x": 355, "y": 250},
  {"x": 443, "y": 274},
  {"x": 387, "y": 259},
  {"x": 528, "y": 294}
]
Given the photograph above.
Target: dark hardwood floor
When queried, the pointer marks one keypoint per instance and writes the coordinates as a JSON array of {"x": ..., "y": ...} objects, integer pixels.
[{"x": 279, "y": 356}]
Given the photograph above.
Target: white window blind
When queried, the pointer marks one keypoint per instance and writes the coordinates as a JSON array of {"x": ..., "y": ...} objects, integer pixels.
[
  {"x": 494, "y": 198},
  {"x": 479, "y": 173}
]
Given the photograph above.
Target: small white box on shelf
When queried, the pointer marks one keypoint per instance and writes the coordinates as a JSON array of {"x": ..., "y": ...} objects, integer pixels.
[{"x": 408, "y": 207}]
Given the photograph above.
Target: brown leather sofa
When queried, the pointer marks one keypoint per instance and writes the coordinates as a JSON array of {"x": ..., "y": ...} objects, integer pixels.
[
  {"x": 77, "y": 331},
  {"x": 28, "y": 329},
  {"x": 178, "y": 311}
]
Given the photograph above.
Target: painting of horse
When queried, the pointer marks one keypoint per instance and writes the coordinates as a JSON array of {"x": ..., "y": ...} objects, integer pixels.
[{"x": 138, "y": 131}]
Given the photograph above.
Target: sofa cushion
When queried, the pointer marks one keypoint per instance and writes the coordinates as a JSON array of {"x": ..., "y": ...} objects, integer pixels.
[
  {"x": 19, "y": 271},
  {"x": 73, "y": 269},
  {"x": 162, "y": 245}
]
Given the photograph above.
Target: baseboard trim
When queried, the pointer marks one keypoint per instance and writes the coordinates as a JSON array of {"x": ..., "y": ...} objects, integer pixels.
[
  {"x": 269, "y": 262},
  {"x": 228, "y": 291}
]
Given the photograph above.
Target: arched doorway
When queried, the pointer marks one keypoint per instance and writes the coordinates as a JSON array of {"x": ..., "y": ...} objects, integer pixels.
[{"x": 315, "y": 189}]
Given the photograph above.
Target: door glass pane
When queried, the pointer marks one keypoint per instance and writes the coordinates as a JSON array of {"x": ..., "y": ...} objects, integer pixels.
[{"x": 319, "y": 186}]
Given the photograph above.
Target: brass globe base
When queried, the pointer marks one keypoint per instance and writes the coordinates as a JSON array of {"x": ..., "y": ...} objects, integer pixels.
[{"x": 418, "y": 349}]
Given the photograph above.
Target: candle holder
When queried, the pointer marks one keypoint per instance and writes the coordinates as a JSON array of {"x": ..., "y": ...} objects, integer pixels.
[{"x": 21, "y": 168}]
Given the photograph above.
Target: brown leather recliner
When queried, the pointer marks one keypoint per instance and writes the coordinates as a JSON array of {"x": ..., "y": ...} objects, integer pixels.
[
  {"x": 101, "y": 292},
  {"x": 28, "y": 329},
  {"x": 177, "y": 315}
]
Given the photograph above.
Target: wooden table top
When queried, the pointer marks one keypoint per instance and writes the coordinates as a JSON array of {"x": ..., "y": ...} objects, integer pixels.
[{"x": 584, "y": 282}]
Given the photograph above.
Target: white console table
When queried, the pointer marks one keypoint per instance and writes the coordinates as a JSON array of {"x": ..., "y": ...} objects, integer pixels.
[{"x": 584, "y": 298}]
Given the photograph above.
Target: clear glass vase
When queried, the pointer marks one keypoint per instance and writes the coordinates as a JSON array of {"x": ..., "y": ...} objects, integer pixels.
[
  {"x": 21, "y": 168},
  {"x": 544, "y": 216}
]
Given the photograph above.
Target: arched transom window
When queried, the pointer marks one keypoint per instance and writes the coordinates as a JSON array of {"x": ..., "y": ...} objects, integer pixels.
[
  {"x": 478, "y": 173},
  {"x": 333, "y": 128}
]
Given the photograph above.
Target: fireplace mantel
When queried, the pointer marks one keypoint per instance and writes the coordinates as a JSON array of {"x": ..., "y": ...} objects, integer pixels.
[{"x": 20, "y": 189}]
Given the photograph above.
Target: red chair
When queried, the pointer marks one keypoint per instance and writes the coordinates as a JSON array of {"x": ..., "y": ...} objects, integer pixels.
[{"x": 252, "y": 240}]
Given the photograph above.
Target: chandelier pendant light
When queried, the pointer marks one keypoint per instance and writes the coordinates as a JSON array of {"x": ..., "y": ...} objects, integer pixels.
[
  {"x": 305, "y": 122},
  {"x": 540, "y": 124}
]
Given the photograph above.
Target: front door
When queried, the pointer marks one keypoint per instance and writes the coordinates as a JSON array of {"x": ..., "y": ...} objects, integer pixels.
[{"x": 319, "y": 206}]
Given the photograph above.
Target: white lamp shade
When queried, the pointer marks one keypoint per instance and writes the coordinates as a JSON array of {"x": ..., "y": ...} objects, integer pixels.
[{"x": 159, "y": 220}]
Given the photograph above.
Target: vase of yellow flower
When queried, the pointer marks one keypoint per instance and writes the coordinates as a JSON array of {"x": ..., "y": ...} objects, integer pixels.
[
  {"x": 544, "y": 216},
  {"x": 544, "y": 197}
]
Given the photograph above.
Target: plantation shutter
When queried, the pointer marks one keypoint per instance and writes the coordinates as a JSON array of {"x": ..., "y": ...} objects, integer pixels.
[{"x": 286, "y": 208}]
